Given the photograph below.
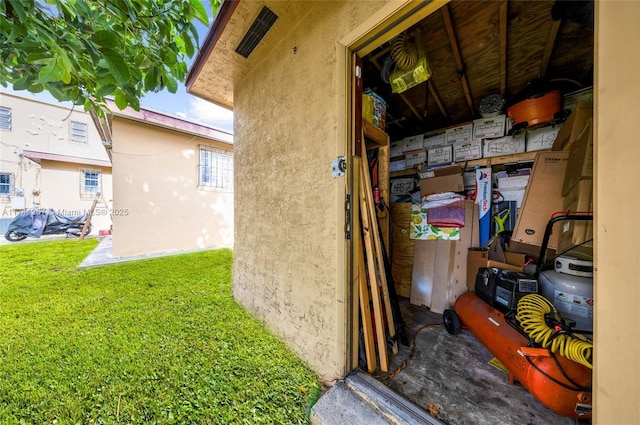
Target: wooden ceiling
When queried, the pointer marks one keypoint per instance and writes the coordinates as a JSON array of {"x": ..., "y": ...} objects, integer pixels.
[{"x": 479, "y": 48}]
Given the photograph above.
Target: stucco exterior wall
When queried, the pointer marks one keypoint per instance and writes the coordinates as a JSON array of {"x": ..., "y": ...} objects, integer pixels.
[
  {"x": 289, "y": 209},
  {"x": 155, "y": 180},
  {"x": 617, "y": 180},
  {"x": 61, "y": 191}
]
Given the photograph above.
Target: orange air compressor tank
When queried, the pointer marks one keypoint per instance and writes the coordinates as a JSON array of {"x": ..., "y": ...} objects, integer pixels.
[{"x": 534, "y": 368}]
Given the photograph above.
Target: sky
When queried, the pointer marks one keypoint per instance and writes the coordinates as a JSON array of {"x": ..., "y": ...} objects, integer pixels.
[{"x": 180, "y": 104}]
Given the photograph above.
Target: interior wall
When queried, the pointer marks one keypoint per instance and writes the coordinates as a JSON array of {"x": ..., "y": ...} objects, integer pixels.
[
  {"x": 156, "y": 200},
  {"x": 617, "y": 249},
  {"x": 289, "y": 208}
]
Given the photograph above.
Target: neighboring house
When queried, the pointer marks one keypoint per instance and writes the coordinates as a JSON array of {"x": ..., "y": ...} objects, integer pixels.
[
  {"x": 51, "y": 156},
  {"x": 291, "y": 103},
  {"x": 172, "y": 183}
]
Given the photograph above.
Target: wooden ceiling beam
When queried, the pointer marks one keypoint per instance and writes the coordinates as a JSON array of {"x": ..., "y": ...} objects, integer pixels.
[
  {"x": 504, "y": 17},
  {"x": 548, "y": 49},
  {"x": 455, "y": 48},
  {"x": 433, "y": 91}
]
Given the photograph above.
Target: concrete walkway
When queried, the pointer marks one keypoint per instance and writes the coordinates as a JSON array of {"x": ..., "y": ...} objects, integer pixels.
[{"x": 103, "y": 255}]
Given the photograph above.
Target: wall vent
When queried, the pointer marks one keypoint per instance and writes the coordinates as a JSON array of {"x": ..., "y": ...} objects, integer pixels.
[{"x": 263, "y": 23}]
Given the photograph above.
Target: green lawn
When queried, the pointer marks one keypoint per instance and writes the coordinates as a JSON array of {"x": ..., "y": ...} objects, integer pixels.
[{"x": 155, "y": 341}]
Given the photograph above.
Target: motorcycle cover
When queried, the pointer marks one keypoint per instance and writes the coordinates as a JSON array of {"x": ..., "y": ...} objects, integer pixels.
[{"x": 34, "y": 221}]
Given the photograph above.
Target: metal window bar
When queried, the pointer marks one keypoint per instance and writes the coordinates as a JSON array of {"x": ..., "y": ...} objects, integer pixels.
[
  {"x": 5, "y": 118},
  {"x": 6, "y": 184},
  {"x": 90, "y": 182},
  {"x": 215, "y": 168}
]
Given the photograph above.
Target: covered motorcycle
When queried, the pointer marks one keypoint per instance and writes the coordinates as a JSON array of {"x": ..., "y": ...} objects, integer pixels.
[{"x": 36, "y": 222}]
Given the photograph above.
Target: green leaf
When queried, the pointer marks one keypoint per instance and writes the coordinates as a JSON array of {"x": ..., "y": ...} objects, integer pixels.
[
  {"x": 172, "y": 84},
  {"x": 18, "y": 9},
  {"x": 116, "y": 65},
  {"x": 151, "y": 79},
  {"x": 105, "y": 38},
  {"x": 23, "y": 83},
  {"x": 36, "y": 88},
  {"x": 52, "y": 72},
  {"x": 200, "y": 11},
  {"x": 106, "y": 90},
  {"x": 121, "y": 100}
]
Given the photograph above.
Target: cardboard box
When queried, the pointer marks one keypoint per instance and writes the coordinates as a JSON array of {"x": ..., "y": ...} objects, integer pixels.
[
  {"x": 401, "y": 187},
  {"x": 413, "y": 158},
  {"x": 413, "y": 143},
  {"x": 469, "y": 179},
  {"x": 542, "y": 138},
  {"x": 513, "y": 182},
  {"x": 542, "y": 198},
  {"x": 489, "y": 127},
  {"x": 466, "y": 151},
  {"x": 441, "y": 179},
  {"x": 573, "y": 126},
  {"x": 441, "y": 155},
  {"x": 396, "y": 148},
  {"x": 434, "y": 140},
  {"x": 504, "y": 146},
  {"x": 463, "y": 133},
  {"x": 398, "y": 165},
  {"x": 478, "y": 258},
  {"x": 571, "y": 100},
  {"x": 580, "y": 164},
  {"x": 573, "y": 233}
]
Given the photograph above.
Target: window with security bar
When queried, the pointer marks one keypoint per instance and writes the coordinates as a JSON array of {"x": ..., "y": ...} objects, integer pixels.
[
  {"x": 6, "y": 184},
  {"x": 90, "y": 182},
  {"x": 5, "y": 118},
  {"x": 78, "y": 133},
  {"x": 215, "y": 169}
]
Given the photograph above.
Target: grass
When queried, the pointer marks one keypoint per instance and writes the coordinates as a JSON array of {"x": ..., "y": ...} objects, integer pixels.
[{"x": 157, "y": 341}]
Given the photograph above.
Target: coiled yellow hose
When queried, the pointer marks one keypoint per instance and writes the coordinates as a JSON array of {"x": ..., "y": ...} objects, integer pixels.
[
  {"x": 403, "y": 52},
  {"x": 531, "y": 315}
]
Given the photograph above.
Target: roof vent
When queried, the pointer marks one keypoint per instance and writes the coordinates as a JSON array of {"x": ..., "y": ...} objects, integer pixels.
[{"x": 263, "y": 23}]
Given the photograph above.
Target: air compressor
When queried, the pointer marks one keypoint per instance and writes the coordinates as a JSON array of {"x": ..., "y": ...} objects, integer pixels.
[{"x": 524, "y": 331}]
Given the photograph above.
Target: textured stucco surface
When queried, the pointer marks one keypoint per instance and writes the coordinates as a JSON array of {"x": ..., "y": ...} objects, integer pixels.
[
  {"x": 160, "y": 208},
  {"x": 288, "y": 209}
]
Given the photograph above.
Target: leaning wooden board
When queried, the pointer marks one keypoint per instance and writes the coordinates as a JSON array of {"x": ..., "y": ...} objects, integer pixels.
[{"x": 401, "y": 248}]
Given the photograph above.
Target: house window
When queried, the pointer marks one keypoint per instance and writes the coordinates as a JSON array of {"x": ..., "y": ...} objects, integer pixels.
[
  {"x": 90, "y": 182},
  {"x": 78, "y": 133},
  {"x": 215, "y": 168},
  {"x": 5, "y": 118},
  {"x": 6, "y": 184}
]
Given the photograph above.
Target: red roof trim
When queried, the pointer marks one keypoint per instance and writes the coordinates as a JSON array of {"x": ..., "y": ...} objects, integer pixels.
[{"x": 217, "y": 27}]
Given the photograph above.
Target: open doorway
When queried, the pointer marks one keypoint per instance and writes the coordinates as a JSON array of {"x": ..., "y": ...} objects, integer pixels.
[{"x": 475, "y": 50}]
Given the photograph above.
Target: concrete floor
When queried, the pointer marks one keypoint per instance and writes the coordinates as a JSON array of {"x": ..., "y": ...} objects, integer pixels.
[{"x": 452, "y": 374}]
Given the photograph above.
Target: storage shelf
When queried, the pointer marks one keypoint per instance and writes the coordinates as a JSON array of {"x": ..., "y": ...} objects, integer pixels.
[
  {"x": 373, "y": 134},
  {"x": 482, "y": 162}
]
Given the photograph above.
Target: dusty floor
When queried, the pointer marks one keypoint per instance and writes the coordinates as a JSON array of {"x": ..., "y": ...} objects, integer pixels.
[{"x": 453, "y": 374}]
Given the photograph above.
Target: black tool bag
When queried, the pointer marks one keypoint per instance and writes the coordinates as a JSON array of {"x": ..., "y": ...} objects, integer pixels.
[{"x": 485, "y": 287}]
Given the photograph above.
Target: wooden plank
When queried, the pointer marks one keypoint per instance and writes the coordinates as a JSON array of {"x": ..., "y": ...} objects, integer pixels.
[
  {"x": 365, "y": 311},
  {"x": 375, "y": 135},
  {"x": 436, "y": 98},
  {"x": 377, "y": 241},
  {"x": 373, "y": 277},
  {"x": 87, "y": 223},
  {"x": 548, "y": 48},
  {"x": 504, "y": 18},
  {"x": 383, "y": 185},
  {"x": 401, "y": 248},
  {"x": 455, "y": 48},
  {"x": 358, "y": 273},
  {"x": 424, "y": 257}
]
